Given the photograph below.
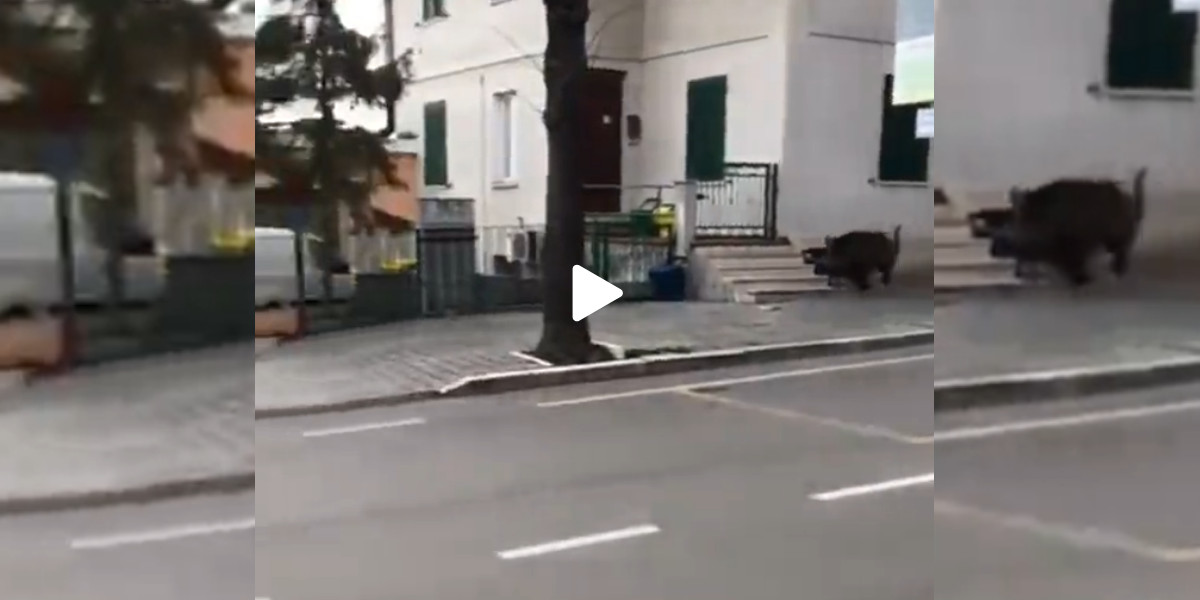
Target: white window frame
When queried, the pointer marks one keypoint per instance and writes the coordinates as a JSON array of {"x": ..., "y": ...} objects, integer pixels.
[{"x": 504, "y": 144}]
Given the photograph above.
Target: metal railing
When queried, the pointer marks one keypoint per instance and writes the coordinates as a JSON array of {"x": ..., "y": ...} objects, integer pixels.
[{"x": 744, "y": 203}]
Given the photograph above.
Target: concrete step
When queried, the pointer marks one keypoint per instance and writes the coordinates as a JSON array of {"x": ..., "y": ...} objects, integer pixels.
[
  {"x": 769, "y": 275},
  {"x": 771, "y": 293},
  {"x": 965, "y": 281},
  {"x": 767, "y": 263},
  {"x": 952, "y": 236},
  {"x": 721, "y": 252},
  {"x": 968, "y": 258}
]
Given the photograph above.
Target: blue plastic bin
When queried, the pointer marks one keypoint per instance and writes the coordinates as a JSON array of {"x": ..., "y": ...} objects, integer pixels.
[{"x": 669, "y": 283}]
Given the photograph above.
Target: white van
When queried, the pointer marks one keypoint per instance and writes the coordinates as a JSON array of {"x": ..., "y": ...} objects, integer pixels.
[
  {"x": 29, "y": 266},
  {"x": 275, "y": 270}
]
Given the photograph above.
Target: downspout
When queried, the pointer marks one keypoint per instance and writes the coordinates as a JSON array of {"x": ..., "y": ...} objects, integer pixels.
[{"x": 485, "y": 190}]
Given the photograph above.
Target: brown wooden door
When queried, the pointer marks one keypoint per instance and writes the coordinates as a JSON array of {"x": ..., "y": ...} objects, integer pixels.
[{"x": 602, "y": 114}]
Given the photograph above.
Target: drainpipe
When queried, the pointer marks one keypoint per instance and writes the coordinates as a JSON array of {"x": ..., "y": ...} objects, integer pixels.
[{"x": 485, "y": 195}]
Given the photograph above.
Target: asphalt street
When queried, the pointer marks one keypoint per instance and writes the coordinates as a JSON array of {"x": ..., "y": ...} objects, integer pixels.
[
  {"x": 811, "y": 479},
  {"x": 196, "y": 549},
  {"x": 1095, "y": 499}
]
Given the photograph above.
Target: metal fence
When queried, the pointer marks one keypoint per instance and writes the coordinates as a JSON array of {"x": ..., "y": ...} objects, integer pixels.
[
  {"x": 61, "y": 305},
  {"x": 744, "y": 203},
  {"x": 461, "y": 269}
]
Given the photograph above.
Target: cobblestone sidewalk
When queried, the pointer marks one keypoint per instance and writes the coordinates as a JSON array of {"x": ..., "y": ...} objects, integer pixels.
[
  {"x": 429, "y": 354},
  {"x": 128, "y": 427}
]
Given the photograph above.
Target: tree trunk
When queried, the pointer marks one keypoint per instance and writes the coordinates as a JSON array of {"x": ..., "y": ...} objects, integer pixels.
[
  {"x": 121, "y": 170},
  {"x": 327, "y": 217},
  {"x": 563, "y": 341}
]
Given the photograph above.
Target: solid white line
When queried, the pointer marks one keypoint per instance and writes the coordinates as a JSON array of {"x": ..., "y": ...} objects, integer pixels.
[
  {"x": 838, "y": 424},
  {"x": 531, "y": 358},
  {"x": 161, "y": 535},
  {"x": 1089, "y": 538},
  {"x": 874, "y": 488},
  {"x": 578, "y": 542},
  {"x": 316, "y": 433},
  {"x": 738, "y": 380},
  {"x": 1077, "y": 420}
]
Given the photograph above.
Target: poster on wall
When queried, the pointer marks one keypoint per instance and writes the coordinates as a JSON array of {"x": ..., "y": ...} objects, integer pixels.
[{"x": 914, "y": 59}]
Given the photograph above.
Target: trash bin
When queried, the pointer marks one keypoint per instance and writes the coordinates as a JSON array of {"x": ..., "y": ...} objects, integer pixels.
[{"x": 668, "y": 283}]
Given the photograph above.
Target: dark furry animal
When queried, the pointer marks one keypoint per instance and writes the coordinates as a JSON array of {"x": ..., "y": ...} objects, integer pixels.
[
  {"x": 858, "y": 254},
  {"x": 1064, "y": 223}
]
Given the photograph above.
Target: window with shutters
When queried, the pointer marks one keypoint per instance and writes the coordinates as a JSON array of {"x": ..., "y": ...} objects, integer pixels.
[
  {"x": 436, "y": 167},
  {"x": 433, "y": 9},
  {"x": 903, "y": 157},
  {"x": 1151, "y": 46},
  {"x": 705, "y": 159}
]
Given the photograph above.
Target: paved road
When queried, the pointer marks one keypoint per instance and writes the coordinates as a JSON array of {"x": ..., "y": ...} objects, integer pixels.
[
  {"x": 197, "y": 549},
  {"x": 1095, "y": 500},
  {"x": 666, "y": 488}
]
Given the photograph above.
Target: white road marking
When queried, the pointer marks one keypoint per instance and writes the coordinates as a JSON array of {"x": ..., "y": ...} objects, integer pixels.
[
  {"x": 316, "y": 433},
  {"x": 738, "y": 380},
  {"x": 874, "y": 488},
  {"x": 531, "y": 358},
  {"x": 578, "y": 542},
  {"x": 838, "y": 424},
  {"x": 161, "y": 535},
  {"x": 1087, "y": 538},
  {"x": 1077, "y": 420}
]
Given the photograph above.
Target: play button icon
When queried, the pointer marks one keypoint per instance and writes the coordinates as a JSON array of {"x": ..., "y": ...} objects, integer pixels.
[{"x": 590, "y": 293}]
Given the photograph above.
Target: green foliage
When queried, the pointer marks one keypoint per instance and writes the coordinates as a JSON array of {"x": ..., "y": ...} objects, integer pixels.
[{"x": 313, "y": 60}]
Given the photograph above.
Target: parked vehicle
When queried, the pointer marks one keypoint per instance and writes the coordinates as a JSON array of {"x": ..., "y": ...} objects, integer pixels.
[
  {"x": 30, "y": 279},
  {"x": 275, "y": 284}
]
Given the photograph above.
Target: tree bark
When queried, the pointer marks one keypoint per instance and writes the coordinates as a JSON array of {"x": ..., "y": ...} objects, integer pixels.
[
  {"x": 327, "y": 210},
  {"x": 563, "y": 340}
]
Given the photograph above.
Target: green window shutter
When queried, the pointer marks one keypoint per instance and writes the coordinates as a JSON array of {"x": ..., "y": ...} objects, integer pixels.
[
  {"x": 1150, "y": 46},
  {"x": 902, "y": 155},
  {"x": 436, "y": 168},
  {"x": 705, "y": 159},
  {"x": 431, "y": 9}
]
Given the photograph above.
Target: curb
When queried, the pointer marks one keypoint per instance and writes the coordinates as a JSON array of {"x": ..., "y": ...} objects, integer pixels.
[
  {"x": 154, "y": 492},
  {"x": 1044, "y": 386},
  {"x": 665, "y": 364}
]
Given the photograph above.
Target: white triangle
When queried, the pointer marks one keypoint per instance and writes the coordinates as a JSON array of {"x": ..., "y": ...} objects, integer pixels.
[{"x": 590, "y": 293}]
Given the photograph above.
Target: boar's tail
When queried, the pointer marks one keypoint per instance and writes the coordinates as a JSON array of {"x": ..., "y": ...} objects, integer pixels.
[
  {"x": 896, "y": 240},
  {"x": 1139, "y": 195}
]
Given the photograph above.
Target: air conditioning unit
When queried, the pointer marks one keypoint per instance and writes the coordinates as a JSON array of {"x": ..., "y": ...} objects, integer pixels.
[{"x": 523, "y": 247}]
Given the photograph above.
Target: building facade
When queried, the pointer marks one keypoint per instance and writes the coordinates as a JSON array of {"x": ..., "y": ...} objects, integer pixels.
[
  {"x": 1033, "y": 90},
  {"x": 793, "y": 83}
]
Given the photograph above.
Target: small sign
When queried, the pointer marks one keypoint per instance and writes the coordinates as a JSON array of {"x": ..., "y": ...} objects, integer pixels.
[
  {"x": 925, "y": 123},
  {"x": 1187, "y": 6}
]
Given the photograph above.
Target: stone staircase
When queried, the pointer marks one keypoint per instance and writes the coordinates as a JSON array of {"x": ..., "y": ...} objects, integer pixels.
[
  {"x": 962, "y": 263},
  {"x": 762, "y": 273}
]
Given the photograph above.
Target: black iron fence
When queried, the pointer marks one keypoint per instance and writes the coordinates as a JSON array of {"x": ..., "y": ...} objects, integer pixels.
[{"x": 743, "y": 204}]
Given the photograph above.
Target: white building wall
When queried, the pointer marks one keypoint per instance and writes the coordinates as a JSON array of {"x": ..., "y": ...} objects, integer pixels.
[
  {"x": 481, "y": 49},
  {"x": 693, "y": 39},
  {"x": 660, "y": 44},
  {"x": 1014, "y": 109},
  {"x": 838, "y": 54}
]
